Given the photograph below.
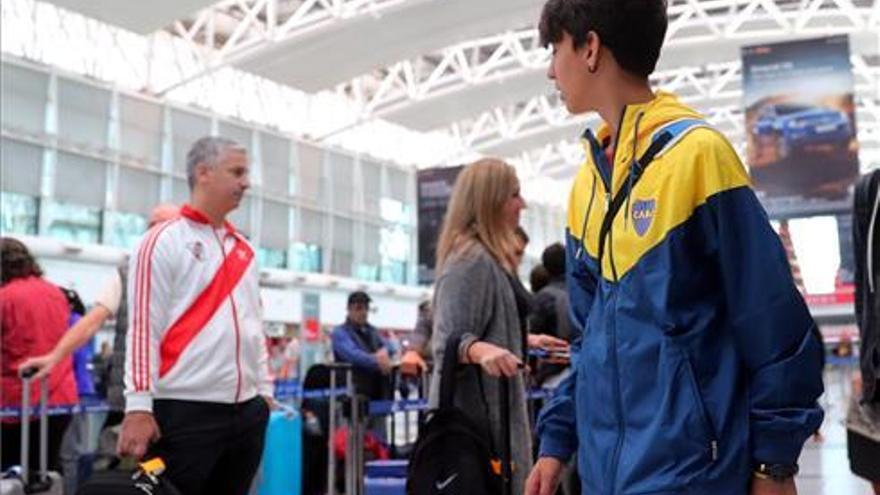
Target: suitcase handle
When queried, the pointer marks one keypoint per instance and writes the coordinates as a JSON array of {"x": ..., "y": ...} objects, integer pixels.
[{"x": 42, "y": 483}]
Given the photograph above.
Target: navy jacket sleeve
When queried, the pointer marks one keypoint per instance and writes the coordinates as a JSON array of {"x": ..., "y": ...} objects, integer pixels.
[
  {"x": 347, "y": 350},
  {"x": 557, "y": 424},
  {"x": 772, "y": 328}
]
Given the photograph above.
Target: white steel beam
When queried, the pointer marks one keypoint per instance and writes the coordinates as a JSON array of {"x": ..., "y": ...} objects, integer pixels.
[{"x": 412, "y": 91}]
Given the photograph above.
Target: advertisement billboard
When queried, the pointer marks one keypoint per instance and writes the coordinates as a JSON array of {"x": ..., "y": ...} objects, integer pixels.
[
  {"x": 800, "y": 124},
  {"x": 434, "y": 190}
]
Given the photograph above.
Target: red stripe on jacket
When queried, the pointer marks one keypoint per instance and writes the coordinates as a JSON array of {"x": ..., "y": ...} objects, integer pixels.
[
  {"x": 141, "y": 336},
  {"x": 194, "y": 319}
]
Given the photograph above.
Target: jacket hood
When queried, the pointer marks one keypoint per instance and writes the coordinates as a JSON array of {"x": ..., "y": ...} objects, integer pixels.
[{"x": 638, "y": 125}]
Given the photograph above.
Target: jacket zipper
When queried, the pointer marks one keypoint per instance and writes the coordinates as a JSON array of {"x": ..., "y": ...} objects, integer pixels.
[
  {"x": 615, "y": 368},
  {"x": 234, "y": 324},
  {"x": 618, "y": 403}
]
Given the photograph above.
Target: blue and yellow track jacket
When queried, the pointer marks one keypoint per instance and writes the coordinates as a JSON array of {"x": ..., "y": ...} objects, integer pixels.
[{"x": 697, "y": 356}]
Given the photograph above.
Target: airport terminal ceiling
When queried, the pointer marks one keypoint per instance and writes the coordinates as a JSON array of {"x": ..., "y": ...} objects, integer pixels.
[{"x": 423, "y": 82}]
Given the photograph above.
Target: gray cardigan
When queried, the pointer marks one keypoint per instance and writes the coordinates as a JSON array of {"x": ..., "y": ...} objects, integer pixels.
[{"x": 473, "y": 298}]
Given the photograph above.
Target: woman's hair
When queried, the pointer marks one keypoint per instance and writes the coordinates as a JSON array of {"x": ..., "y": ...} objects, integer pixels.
[
  {"x": 476, "y": 213},
  {"x": 16, "y": 261}
]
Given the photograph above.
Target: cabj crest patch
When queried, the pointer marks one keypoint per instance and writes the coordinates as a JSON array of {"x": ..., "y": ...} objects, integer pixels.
[{"x": 643, "y": 215}]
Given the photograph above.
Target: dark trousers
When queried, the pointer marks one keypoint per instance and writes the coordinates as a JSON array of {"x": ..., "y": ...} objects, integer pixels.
[
  {"x": 210, "y": 448},
  {"x": 12, "y": 443}
]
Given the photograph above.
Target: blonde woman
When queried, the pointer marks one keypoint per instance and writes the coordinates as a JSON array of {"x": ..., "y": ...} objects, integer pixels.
[{"x": 474, "y": 299}]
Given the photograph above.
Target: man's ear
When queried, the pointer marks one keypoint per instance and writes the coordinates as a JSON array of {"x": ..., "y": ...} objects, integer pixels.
[
  {"x": 202, "y": 170},
  {"x": 590, "y": 51}
]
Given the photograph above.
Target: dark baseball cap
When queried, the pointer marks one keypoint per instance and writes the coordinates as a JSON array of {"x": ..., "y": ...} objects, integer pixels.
[{"x": 359, "y": 297}]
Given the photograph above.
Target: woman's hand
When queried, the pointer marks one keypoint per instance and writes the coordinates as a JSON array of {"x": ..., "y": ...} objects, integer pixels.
[{"x": 495, "y": 360}]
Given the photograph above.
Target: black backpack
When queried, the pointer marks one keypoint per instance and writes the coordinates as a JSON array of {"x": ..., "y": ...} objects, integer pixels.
[{"x": 453, "y": 455}]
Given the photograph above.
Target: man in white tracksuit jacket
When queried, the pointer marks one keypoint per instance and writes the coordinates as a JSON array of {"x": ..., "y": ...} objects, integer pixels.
[{"x": 197, "y": 382}]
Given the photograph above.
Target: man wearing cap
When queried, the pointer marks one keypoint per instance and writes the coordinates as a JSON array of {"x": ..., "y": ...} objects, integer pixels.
[{"x": 359, "y": 343}]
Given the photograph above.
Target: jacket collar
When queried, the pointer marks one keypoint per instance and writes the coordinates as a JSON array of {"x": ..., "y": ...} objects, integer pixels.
[{"x": 187, "y": 211}]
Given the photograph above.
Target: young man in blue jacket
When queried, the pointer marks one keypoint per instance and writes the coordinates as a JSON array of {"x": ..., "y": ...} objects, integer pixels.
[{"x": 698, "y": 367}]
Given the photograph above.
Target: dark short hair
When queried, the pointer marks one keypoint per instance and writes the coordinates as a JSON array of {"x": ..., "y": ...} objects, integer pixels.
[
  {"x": 16, "y": 261},
  {"x": 553, "y": 259},
  {"x": 538, "y": 278},
  {"x": 359, "y": 297},
  {"x": 633, "y": 30}
]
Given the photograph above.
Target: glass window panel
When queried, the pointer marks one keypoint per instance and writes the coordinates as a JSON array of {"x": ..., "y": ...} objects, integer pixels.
[
  {"x": 19, "y": 214},
  {"x": 276, "y": 164},
  {"x": 74, "y": 223},
  {"x": 372, "y": 180},
  {"x": 341, "y": 169},
  {"x": 237, "y": 133},
  {"x": 394, "y": 272},
  {"x": 343, "y": 246},
  {"x": 393, "y": 211},
  {"x": 342, "y": 263},
  {"x": 24, "y": 93},
  {"x": 311, "y": 174},
  {"x": 186, "y": 129},
  {"x": 305, "y": 257},
  {"x": 371, "y": 245},
  {"x": 274, "y": 230},
  {"x": 370, "y": 273},
  {"x": 343, "y": 235},
  {"x": 83, "y": 113},
  {"x": 138, "y": 191},
  {"x": 124, "y": 229},
  {"x": 395, "y": 244},
  {"x": 21, "y": 165},
  {"x": 311, "y": 227},
  {"x": 80, "y": 180},
  {"x": 179, "y": 192},
  {"x": 398, "y": 185},
  {"x": 141, "y": 129},
  {"x": 271, "y": 258},
  {"x": 241, "y": 216}
]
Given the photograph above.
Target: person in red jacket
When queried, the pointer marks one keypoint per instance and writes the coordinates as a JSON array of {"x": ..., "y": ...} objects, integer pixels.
[{"x": 33, "y": 316}]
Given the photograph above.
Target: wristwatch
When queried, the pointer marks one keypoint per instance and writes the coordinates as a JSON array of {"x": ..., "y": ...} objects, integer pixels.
[{"x": 775, "y": 472}]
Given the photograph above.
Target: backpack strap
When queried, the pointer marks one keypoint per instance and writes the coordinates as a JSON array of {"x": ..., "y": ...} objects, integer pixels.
[{"x": 663, "y": 140}]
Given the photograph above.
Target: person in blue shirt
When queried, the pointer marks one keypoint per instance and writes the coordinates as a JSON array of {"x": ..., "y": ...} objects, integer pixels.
[{"x": 359, "y": 343}]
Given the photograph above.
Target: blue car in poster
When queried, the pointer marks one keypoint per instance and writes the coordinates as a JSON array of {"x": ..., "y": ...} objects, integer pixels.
[{"x": 799, "y": 126}]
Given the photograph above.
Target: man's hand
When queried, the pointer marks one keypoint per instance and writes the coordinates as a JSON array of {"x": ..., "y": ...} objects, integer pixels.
[
  {"x": 139, "y": 430},
  {"x": 384, "y": 361},
  {"x": 547, "y": 342},
  {"x": 43, "y": 364},
  {"x": 771, "y": 487},
  {"x": 412, "y": 363},
  {"x": 544, "y": 477},
  {"x": 270, "y": 402}
]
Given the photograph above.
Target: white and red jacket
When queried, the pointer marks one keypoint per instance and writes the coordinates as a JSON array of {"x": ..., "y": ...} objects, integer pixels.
[{"x": 195, "y": 323}]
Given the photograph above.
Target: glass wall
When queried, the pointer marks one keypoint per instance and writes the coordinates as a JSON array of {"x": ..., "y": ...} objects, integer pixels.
[{"x": 82, "y": 164}]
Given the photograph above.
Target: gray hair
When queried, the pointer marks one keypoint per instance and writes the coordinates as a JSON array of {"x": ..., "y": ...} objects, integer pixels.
[{"x": 208, "y": 150}]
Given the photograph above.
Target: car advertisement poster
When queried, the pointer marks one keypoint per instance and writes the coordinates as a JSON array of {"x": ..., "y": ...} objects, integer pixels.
[
  {"x": 434, "y": 191},
  {"x": 800, "y": 124}
]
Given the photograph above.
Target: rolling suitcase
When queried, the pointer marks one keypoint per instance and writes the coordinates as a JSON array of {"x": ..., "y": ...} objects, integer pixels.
[
  {"x": 45, "y": 482},
  {"x": 281, "y": 472}
]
